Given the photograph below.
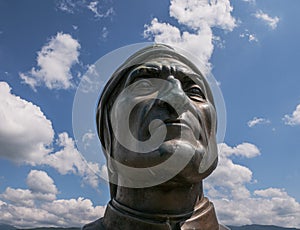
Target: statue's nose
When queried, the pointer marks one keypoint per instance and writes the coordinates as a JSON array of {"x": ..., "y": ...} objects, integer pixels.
[{"x": 174, "y": 95}]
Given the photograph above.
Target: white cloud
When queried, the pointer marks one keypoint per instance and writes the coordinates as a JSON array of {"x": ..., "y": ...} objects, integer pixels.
[
  {"x": 78, "y": 211},
  {"x": 252, "y": 38},
  {"x": 247, "y": 150},
  {"x": 93, "y": 6},
  {"x": 293, "y": 119},
  {"x": 104, "y": 172},
  {"x": 249, "y": 36},
  {"x": 236, "y": 204},
  {"x": 26, "y": 197},
  {"x": 197, "y": 13},
  {"x": 200, "y": 42},
  {"x": 19, "y": 197},
  {"x": 40, "y": 182},
  {"x": 90, "y": 81},
  {"x": 104, "y": 32},
  {"x": 66, "y": 6},
  {"x": 268, "y": 211},
  {"x": 54, "y": 63},
  {"x": 87, "y": 138},
  {"x": 68, "y": 160},
  {"x": 72, "y": 6},
  {"x": 230, "y": 177},
  {"x": 57, "y": 213},
  {"x": 25, "y": 132},
  {"x": 41, "y": 188},
  {"x": 218, "y": 42},
  {"x": 271, "y": 192},
  {"x": 199, "y": 17},
  {"x": 258, "y": 121},
  {"x": 27, "y": 208},
  {"x": 271, "y": 22},
  {"x": 25, "y": 137}
]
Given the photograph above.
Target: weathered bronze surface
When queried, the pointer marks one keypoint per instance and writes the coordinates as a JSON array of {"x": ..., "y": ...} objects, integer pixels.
[{"x": 184, "y": 103}]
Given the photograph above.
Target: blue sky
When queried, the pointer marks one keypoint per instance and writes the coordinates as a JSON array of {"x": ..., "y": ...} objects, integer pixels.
[{"x": 46, "y": 47}]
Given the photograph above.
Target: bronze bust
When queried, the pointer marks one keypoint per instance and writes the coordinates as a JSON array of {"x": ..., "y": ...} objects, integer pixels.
[{"x": 158, "y": 105}]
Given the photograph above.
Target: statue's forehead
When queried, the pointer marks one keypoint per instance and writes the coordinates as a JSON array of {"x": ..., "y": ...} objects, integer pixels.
[{"x": 169, "y": 62}]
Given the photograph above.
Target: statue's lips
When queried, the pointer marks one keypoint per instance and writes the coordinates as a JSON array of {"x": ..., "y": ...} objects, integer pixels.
[
  {"x": 179, "y": 123},
  {"x": 170, "y": 122}
]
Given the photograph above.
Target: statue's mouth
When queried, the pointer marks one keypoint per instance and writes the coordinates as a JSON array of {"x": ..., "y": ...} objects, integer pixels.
[
  {"x": 179, "y": 122},
  {"x": 180, "y": 125}
]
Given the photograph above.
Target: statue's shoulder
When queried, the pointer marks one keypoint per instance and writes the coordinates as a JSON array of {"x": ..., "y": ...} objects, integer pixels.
[{"x": 96, "y": 225}]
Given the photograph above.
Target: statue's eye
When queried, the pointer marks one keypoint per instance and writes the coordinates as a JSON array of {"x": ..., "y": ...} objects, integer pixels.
[
  {"x": 144, "y": 83},
  {"x": 195, "y": 93},
  {"x": 143, "y": 86}
]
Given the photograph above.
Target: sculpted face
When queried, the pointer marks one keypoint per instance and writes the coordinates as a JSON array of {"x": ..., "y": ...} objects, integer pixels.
[{"x": 169, "y": 109}]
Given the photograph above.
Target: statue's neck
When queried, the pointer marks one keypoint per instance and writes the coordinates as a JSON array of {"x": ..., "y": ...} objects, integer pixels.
[
  {"x": 162, "y": 199},
  {"x": 121, "y": 217}
]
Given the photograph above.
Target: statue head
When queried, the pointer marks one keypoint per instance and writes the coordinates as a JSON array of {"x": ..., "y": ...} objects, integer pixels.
[{"x": 155, "y": 105}]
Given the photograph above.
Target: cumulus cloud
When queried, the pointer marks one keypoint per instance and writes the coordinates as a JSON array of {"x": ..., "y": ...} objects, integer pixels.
[
  {"x": 71, "y": 209},
  {"x": 57, "y": 213},
  {"x": 270, "y": 210},
  {"x": 199, "y": 17},
  {"x": 293, "y": 119},
  {"x": 258, "y": 121},
  {"x": 19, "y": 197},
  {"x": 54, "y": 63},
  {"x": 19, "y": 207},
  {"x": 41, "y": 187},
  {"x": 247, "y": 150},
  {"x": 270, "y": 21},
  {"x": 25, "y": 132},
  {"x": 199, "y": 42},
  {"x": 40, "y": 182},
  {"x": 236, "y": 204},
  {"x": 68, "y": 160},
  {"x": 229, "y": 179},
  {"x": 25, "y": 137}
]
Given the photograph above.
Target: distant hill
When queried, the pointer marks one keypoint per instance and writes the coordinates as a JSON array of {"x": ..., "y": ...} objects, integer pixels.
[{"x": 260, "y": 227}]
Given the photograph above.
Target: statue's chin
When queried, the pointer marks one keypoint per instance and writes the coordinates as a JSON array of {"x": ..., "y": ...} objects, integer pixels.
[{"x": 191, "y": 153}]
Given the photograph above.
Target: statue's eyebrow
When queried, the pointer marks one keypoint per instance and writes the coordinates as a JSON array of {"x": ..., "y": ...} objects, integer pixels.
[{"x": 142, "y": 71}]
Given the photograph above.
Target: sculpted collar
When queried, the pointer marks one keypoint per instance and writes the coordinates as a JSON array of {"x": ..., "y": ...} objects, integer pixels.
[{"x": 120, "y": 217}]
